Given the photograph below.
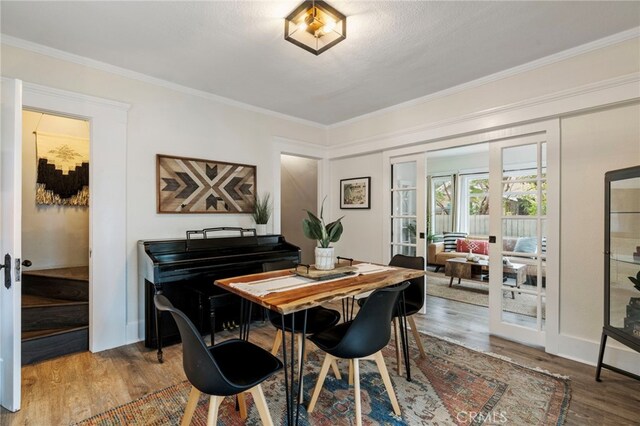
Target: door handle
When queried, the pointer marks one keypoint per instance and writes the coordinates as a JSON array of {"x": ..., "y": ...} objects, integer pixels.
[
  {"x": 7, "y": 270},
  {"x": 25, "y": 263}
]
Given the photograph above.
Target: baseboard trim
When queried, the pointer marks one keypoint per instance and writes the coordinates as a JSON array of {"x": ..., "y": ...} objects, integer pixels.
[{"x": 586, "y": 352}]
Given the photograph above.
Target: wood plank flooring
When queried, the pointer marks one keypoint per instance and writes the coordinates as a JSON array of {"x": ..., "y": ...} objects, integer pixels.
[{"x": 74, "y": 387}]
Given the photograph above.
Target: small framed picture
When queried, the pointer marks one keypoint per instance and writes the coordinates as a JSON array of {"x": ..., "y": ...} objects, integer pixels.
[{"x": 355, "y": 193}]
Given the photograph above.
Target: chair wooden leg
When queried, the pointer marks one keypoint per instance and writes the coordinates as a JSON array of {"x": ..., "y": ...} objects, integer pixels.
[
  {"x": 261, "y": 405},
  {"x": 350, "y": 372},
  {"x": 416, "y": 335},
  {"x": 336, "y": 371},
  {"x": 356, "y": 391},
  {"x": 382, "y": 367},
  {"x": 323, "y": 374},
  {"x": 398, "y": 350},
  {"x": 192, "y": 403},
  {"x": 277, "y": 341},
  {"x": 214, "y": 404},
  {"x": 242, "y": 405}
]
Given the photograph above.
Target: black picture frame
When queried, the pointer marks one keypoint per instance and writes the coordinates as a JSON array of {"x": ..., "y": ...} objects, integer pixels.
[{"x": 355, "y": 193}]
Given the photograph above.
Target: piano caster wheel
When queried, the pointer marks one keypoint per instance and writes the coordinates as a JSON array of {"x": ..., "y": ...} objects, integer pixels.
[{"x": 160, "y": 360}]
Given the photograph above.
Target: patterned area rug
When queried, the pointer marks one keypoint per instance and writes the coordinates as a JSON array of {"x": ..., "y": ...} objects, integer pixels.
[
  {"x": 453, "y": 385},
  {"x": 476, "y": 293}
]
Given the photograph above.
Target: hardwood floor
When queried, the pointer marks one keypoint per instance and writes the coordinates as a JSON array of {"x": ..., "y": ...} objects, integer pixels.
[{"x": 74, "y": 387}]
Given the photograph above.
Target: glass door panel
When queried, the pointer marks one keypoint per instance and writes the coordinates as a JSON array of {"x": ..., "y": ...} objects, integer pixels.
[
  {"x": 519, "y": 184},
  {"x": 404, "y": 219}
]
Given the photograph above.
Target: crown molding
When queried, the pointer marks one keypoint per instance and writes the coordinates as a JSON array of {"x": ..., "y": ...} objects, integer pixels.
[
  {"x": 500, "y": 75},
  {"x": 102, "y": 66},
  {"x": 418, "y": 134},
  {"x": 123, "y": 72}
]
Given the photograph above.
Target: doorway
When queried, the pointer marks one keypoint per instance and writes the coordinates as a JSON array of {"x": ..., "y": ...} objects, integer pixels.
[
  {"x": 517, "y": 190},
  {"x": 298, "y": 192},
  {"x": 55, "y": 235}
]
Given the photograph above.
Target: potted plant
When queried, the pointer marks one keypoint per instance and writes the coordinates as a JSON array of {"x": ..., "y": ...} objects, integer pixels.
[
  {"x": 262, "y": 212},
  {"x": 314, "y": 227}
]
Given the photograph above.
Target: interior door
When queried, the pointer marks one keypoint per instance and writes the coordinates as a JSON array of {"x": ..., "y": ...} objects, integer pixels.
[
  {"x": 408, "y": 206},
  {"x": 10, "y": 227},
  {"x": 518, "y": 223}
]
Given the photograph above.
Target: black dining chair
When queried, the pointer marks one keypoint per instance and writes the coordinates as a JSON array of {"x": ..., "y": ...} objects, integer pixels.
[
  {"x": 361, "y": 339},
  {"x": 413, "y": 302},
  {"x": 318, "y": 318},
  {"x": 229, "y": 368}
]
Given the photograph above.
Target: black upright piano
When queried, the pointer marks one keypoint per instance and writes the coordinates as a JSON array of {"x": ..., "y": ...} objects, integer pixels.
[{"x": 184, "y": 270}]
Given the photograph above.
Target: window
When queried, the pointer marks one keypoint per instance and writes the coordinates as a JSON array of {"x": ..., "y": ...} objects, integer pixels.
[
  {"x": 474, "y": 202},
  {"x": 441, "y": 205}
]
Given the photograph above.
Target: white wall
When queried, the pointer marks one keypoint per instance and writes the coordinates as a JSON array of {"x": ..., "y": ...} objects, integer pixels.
[
  {"x": 166, "y": 121},
  {"x": 299, "y": 192},
  {"x": 592, "y": 144},
  {"x": 461, "y": 163},
  {"x": 52, "y": 236},
  {"x": 361, "y": 238}
]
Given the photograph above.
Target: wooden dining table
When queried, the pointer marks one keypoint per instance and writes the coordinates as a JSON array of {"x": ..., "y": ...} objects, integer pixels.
[{"x": 301, "y": 295}]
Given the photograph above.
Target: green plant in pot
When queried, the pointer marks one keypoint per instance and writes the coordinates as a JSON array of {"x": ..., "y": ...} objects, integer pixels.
[
  {"x": 262, "y": 212},
  {"x": 315, "y": 228}
]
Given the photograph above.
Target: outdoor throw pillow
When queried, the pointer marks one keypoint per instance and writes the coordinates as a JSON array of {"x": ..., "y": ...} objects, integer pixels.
[
  {"x": 526, "y": 245},
  {"x": 450, "y": 239},
  {"x": 475, "y": 246}
]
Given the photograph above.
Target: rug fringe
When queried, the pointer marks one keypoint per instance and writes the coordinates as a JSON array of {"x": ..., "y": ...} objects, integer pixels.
[{"x": 495, "y": 355}]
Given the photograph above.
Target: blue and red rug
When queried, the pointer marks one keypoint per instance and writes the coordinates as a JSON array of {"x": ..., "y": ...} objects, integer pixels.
[{"x": 454, "y": 385}]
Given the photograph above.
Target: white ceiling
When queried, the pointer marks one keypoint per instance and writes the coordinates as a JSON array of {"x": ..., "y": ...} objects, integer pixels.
[{"x": 394, "y": 51}]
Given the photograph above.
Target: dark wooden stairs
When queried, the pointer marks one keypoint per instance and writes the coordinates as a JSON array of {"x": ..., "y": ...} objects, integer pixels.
[{"x": 55, "y": 313}]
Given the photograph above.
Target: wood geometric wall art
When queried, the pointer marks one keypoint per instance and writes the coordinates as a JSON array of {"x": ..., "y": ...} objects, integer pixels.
[
  {"x": 63, "y": 169},
  {"x": 193, "y": 185}
]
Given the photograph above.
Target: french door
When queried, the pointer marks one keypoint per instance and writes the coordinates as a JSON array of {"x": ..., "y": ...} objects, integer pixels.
[
  {"x": 518, "y": 229},
  {"x": 408, "y": 206}
]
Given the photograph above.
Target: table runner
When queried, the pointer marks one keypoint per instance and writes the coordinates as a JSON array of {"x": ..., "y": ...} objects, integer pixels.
[{"x": 272, "y": 285}]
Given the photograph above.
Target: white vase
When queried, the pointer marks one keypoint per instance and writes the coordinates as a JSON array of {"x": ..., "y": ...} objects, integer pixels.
[
  {"x": 324, "y": 258},
  {"x": 261, "y": 228}
]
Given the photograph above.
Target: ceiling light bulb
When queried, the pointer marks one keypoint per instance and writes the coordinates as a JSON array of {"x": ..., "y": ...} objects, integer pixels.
[
  {"x": 302, "y": 26},
  {"x": 328, "y": 26}
]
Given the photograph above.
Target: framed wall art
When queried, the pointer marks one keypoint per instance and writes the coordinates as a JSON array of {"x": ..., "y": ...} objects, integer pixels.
[
  {"x": 193, "y": 185},
  {"x": 355, "y": 193},
  {"x": 63, "y": 170}
]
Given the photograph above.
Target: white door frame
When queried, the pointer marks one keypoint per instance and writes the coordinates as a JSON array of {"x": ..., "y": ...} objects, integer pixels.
[
  {"x": 300, "y": 149},
  {"x": 107, "y": 206},
  {"x": 551, "y": 130},
  {"x": 10, "y": 243}
]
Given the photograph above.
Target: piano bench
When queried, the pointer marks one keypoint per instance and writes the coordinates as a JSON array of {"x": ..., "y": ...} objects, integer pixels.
[{"x": 211, "y": 299}]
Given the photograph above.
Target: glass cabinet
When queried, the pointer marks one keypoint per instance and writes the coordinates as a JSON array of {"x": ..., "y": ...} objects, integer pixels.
[{"x": 621, "y": 262}]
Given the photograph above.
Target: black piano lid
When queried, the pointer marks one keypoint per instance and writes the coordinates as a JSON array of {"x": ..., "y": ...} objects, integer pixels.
[{"x": 177, "y": 251}]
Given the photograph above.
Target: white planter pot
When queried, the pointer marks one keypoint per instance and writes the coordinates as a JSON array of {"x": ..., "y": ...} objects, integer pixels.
[
  {"x": 261, "y": 228},
  {"x": 324, "y": 258}
]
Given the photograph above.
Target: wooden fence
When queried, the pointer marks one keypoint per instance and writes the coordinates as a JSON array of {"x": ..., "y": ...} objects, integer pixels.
[{"x": 479, "y": 225}]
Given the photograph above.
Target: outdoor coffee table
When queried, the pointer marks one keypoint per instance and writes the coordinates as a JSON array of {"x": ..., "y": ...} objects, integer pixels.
[{"x": 478, "y": 271}]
